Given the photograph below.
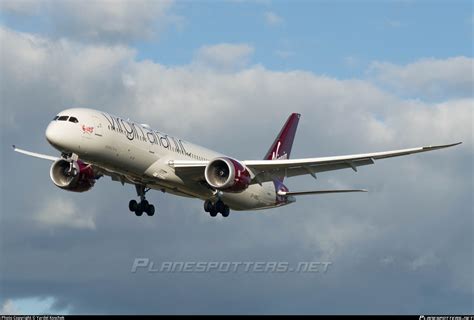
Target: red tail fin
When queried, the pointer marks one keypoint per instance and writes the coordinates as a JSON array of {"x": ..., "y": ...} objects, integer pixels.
[{"x": 281, "y": 147}]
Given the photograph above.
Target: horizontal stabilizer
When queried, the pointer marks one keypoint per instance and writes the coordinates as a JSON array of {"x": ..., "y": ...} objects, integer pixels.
[{"x": 302, "y": 193}]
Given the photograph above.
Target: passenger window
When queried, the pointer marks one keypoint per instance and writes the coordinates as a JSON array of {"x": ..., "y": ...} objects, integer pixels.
[
  {"x": 63, "y": 118},
  {"x": 73, "y": 119}
]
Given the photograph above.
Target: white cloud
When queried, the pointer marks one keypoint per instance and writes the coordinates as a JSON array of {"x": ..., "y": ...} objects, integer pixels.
[
  {"x": 224, "y": 56},
  {"x": 31, "y": 306},
  {"x": 351, "y": 61},
  {"x": 61, "y": 212},
  {"x": 272, "y": 19},
  {"x": 113, "y": 21},
  {"x": 431, "y": 78},
  {"x": 21, "y": 7},
  {"x": 9, "y": 308},
  {"x": 71, "y": 73},
  {"x": 284, "y": 54},
  {"x": 394, "y": 23}
]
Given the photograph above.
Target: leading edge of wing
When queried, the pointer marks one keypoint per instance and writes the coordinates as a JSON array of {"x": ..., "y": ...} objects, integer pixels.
[
  {"x": 187, "y": 163},
  {"x": 303, "y": 193},
  {"x": 376, "y": 155},
  {"x": 34, "y": 154}
]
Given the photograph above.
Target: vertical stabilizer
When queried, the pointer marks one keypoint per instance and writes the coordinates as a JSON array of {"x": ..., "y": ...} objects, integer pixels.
[{"x": 281, "y": 147}]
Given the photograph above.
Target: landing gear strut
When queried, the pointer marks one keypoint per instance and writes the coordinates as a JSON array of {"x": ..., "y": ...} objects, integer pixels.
[
  {"x": 215, "y": 208},
  {"x": 143, "y": 205}
]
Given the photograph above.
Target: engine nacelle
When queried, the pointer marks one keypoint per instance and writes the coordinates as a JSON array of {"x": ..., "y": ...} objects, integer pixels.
[
  {"x": 227, "y": 174},
  {"x": 81, "y": 178}
]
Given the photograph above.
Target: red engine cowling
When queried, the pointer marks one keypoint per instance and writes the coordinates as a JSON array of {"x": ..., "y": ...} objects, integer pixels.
[
  {"x": 78, "y": 178},
  {"x": 227, "y": 174}
]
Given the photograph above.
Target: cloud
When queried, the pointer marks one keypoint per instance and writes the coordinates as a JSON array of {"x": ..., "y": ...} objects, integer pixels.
[
  {"x": 89, "y": 69},
  {"x": 427, "y": 78},
  {"x": 21, "y": 7},
  {"x": 31, "y": 305},
  {"x": 60, "y": 213},
  {"x": 224, "y": 56},
  {"x": 272, "y": 19},
  {"x": 284, "y": 54},
  {"x": 394, "y": 23},
  {"x": 424, "y": 261},
  {"x": 9, "y": 308},
  {"x": 109, "y": 21},
  {"x": 351, "y": 61},
  {"x": 379, "y": 240}
]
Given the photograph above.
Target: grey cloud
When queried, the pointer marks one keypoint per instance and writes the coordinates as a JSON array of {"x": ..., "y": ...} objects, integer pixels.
[{"x": 418, "y": 213}]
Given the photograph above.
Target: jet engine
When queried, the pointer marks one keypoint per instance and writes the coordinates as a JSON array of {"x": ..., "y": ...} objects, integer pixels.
[
  {"x": 73, "y": 175},
  {"x": 227, "y": 174}
]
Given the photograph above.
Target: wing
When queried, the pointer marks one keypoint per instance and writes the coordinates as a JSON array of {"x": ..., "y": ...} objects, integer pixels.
[
  {"x": 266, "y": 170},
  {"x": 34, "y": 154},
  {"x": 304, "y": 193},
  {"x": 113, "y": 175}
]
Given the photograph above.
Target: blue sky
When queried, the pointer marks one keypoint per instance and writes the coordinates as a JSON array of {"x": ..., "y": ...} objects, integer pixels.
[
  {"x": 365, "y": 75},
  {"x": 322, "y": 35}
]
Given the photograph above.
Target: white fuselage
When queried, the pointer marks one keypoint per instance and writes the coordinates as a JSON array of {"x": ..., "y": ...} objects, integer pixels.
[{"x": 142, "y": 155}]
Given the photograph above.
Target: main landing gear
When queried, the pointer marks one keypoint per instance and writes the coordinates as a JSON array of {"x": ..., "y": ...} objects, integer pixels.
[
  {"x": 143, "y": 205},
  {"x": 215, "y": 208}
]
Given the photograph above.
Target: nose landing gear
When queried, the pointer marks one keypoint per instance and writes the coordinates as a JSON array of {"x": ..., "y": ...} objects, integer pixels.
[
  {"x": 215, "y": 208},
  {"x": 143, "y": 205}
]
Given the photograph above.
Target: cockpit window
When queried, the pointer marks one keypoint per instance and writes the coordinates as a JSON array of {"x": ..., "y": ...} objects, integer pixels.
[
  {"x": 55, "y": 118},
  {"x": 73, "y": 119},
  {"x": 63, "y": 118}
]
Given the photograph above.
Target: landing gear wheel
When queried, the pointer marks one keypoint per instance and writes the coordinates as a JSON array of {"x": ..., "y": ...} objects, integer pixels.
[
  {"x": 213, "y": 212},
  {"x": 143, "y": 206},
  {"x": 220, "y": 206},
  {"x": 150, "y": 211},
  {"x": 208, "y": 206},
  {"x": 225, "y": 213},
  {"x": 133, "y": 205}
]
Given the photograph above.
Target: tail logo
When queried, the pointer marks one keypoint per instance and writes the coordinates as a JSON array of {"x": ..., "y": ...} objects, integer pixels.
[{"x": 275, "y": 154}]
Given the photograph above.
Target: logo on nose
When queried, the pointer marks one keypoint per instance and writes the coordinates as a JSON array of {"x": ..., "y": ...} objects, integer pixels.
[{"x": 87, "y": 129}]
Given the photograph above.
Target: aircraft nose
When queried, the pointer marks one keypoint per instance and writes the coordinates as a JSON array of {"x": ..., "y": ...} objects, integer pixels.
[{"x": 52, "y": 134}]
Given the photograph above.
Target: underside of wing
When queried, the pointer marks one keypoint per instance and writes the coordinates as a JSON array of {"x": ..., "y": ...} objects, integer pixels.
[{"x": 189, "y": 169}]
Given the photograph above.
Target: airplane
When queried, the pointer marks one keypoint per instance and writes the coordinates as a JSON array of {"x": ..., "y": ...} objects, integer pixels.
[{"x": 94, "y": 144}]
